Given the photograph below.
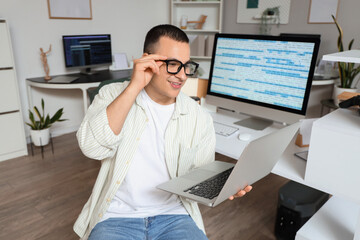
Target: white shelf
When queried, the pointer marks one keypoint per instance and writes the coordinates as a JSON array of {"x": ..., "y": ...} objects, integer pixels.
[
  {"x": 323, "y": 82},
  {"x": 290, "y": 166},
  {"x": 192, "y": 10},
  {"x": 197, "y": 2},
  {"x": 201, "y": 57},
  {"x": 352, "y": 56},
  {"x": 336, "y": 220},
  {"x": 201, "y": 30}
]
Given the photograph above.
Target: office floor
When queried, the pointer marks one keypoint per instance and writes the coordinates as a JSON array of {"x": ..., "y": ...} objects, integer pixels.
[{"x": 41, "y": 198}]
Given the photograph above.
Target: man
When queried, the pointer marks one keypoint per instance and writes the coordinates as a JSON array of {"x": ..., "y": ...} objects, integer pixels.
[{"x": 146, "y": 132}]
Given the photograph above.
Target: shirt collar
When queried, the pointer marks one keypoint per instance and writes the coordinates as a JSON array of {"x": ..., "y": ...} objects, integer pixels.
[{"x": 181, "y": 108}]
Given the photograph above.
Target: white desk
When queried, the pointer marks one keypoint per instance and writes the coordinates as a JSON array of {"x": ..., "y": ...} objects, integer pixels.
[
  {"x": 82, "y": 86},
  {"x": 294, "y": 168},
  {"x": 231, "y": 146},
  {"x": 83, "y": 83}
]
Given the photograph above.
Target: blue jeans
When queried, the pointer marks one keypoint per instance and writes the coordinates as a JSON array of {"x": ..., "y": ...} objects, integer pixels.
[{"x": 161, "y": 227}]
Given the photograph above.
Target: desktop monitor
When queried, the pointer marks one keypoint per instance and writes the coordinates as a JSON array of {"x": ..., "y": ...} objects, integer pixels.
[
  {"x": 87, "y": 51},
  {"x": 303, "y": 35},
  {"x": 266, "y": 77}
]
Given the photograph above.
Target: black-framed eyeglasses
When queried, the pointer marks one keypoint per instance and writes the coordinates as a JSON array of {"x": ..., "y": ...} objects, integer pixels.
[{"x": 174, "y": 66}]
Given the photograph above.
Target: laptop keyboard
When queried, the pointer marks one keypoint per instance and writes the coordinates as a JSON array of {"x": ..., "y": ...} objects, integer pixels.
[
  {"x": 211, "y": 187},
  {"x": 224, "y": 130}
]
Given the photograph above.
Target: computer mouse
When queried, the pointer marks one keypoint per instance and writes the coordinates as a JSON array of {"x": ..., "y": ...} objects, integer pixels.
[{"x": 244, "y": 136}]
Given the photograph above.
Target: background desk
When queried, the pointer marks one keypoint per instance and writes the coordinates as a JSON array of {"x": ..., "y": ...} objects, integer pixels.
[{"x": 83, "y": 83}]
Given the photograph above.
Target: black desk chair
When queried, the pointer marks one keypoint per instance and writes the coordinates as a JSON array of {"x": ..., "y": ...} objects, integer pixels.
[{"x": 92, "y": 92}]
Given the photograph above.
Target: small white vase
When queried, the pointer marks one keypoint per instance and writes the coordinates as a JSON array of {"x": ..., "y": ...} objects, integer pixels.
[
  {"x": 40, "y": 137},
  {"x": 338, "y": 90}
]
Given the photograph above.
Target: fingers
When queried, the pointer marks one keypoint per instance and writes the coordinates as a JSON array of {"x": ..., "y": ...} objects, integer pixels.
[
  {"x": 248, "y": 188},
  {"x": 144, "y": 69},
  {"x": 154, "y": 57},
  {"x": 143, "y": 65},
  {"x": 149, "y": 61},
  {"x": 241, "y": 193}
]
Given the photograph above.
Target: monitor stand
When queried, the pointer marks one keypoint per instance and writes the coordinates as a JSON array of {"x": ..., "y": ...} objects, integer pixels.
[
  {"x": 254, "y": 123},
  {"x": 87, "y": 71}
]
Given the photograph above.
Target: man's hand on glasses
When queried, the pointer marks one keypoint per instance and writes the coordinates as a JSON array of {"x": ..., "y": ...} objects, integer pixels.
[{"x": 144, "y": 69}]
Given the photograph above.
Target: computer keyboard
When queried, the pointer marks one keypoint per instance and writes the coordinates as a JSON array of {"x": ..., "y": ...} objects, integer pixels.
[
  {"x": 211, "y": 187},
  {"x": 224, "y": 130}
]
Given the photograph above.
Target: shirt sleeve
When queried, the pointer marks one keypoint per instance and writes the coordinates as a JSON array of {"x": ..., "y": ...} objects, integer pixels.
[
  {"x": 95, "y": 137},
  {"x": 206, "y": 149}
]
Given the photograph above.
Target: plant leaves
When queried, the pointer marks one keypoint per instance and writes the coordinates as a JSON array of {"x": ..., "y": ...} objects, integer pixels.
[
  {"x": 43, "y": 106},
  {"x": 31, "y": 126},
  {"x": 36, "y": 110},
  {"x": 44, "y": 122},
  {"x": 37, "y": 125},
  {"x": 47, "y": 122},
  {"x": 347, "y": 71},
  {"x": 41, "y": 118},
  {"x": 57, "y": 116},
  {"x": 32, "y": 120},
  {"x": 340, "y": 44},
  {"x": 350, "y": 44}
]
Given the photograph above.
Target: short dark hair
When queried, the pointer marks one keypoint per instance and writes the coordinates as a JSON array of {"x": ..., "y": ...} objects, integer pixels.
[{"x": 163, "y": 30}]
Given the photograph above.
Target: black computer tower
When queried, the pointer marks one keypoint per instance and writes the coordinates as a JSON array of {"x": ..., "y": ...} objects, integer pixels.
[{"x": 296, "y": 204}]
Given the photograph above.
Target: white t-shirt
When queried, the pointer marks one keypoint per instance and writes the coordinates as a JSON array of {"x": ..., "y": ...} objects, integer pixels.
[{"x": 137, "y": 196}]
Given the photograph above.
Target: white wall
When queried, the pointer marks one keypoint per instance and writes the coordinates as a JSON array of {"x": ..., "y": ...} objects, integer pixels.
[
  {"x": 298, "y": 23},
  {"x": 128, "y": 21},
  {"x": 347, "y": 16},
  {"x": 30, "y": 27}
]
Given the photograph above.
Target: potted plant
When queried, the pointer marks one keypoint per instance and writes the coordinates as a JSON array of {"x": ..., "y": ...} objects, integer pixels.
[
  {"x": 347, "y": 71},
  {"x": 269, "y": 16},
  {"x": 39, "y": 132}
]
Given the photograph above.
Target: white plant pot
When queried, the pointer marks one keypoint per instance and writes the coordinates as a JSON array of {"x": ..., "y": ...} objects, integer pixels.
[
  {"x": 40, "y": 137},
  {"x": 338, "y": 90}
]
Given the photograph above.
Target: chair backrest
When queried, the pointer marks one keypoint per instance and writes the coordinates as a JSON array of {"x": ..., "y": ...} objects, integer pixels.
[{"x": 92, "y": 92}]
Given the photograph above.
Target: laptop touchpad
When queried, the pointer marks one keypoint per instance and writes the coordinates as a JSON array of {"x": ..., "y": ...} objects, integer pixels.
[{"x": 198, "y": 175}]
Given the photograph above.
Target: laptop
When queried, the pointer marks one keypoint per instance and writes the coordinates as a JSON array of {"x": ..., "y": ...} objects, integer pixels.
[{"x": 215, "y": 182}]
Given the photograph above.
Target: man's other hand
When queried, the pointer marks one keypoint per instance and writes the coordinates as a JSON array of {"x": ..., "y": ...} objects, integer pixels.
[{"x": 241, "y": 193}]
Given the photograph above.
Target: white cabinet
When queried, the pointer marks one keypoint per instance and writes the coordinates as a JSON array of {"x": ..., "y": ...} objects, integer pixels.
[
  {"x": 336, "y": 220},
  {"x": 331, "y": 167},
  {"x": 335, "y": 146},
  {"x": 8, "y": 100},
  {"x": 12, "y": 132},
  {"x": 5, "y": 56},
  {"x": 12, "y": 139},
  {"x": 201, "y": 40}
]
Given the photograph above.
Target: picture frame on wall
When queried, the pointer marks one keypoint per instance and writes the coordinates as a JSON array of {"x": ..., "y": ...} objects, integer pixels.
[
  {"x": 320, "y": 11},
  {"x": 70, "y": 9}
]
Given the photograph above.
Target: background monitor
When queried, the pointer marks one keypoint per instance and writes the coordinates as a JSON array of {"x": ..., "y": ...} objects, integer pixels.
[
  {"x": 267, "y": 77},
  {"x": 87, "y": 51},
  {"x": 304, "y": 35}
]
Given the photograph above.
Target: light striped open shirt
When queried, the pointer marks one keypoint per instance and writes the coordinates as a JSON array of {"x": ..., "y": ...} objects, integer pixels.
[{"x": 189, "y": 143}]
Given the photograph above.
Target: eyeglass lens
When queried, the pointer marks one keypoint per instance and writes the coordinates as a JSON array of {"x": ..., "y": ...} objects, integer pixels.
[{"x": 174, "y": 66}]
